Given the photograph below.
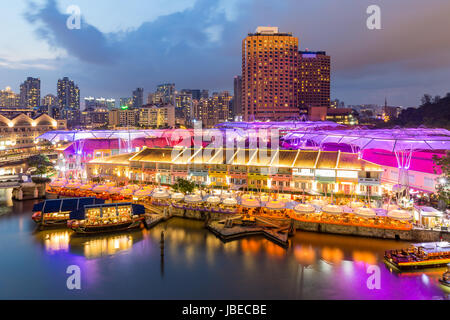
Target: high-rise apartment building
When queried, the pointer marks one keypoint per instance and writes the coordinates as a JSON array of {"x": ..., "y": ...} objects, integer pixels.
[
  {"x": 213, "y": 110},
  {"x": 204, "y": 94},
  {"x": 184, "y": 103},
  {"x": 30, "y": 93},
  {"x": 314, "y": 75},
  {"x": 49, "y": 100},
  {"x": 166, "y": 93},
  {"x": 237, "y": 97},
  {"x": 9, "y": 99},
  {"x": 269, "y": 75},
  {"x": 138, "y": 98},
  {"x": 152, "y": 116},
  {"x": 196, "y": 93},
  {"x": 126, "y": 102},
  {"x": 69, "y": 101}
]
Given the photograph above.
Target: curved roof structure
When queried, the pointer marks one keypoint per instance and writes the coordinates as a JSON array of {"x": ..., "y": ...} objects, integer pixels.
[{"x": 393, "y": 140}]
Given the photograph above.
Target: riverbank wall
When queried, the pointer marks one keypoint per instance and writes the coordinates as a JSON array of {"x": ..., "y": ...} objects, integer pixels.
[
  {"x": 29, "y": 191},
  {"x": 415, "y": 235}
]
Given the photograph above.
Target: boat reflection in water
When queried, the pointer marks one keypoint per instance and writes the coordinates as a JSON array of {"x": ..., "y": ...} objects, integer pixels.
[
  {"x": 65, "y": 241},
  {"x": 56, "y": 241}
]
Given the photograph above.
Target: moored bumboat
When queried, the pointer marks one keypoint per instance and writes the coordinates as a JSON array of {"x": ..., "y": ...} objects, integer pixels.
[
  {"x": 56, "y": 212},
  {"x": 94, "y": 219},
  {"x": 419, "y": 256}
]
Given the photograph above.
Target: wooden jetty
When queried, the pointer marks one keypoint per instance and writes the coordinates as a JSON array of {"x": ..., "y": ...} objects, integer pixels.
[{"x": 232, "y": 228}]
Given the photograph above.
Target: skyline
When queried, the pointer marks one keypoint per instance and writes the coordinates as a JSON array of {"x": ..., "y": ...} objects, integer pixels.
[{"x": 202, "y": 44}]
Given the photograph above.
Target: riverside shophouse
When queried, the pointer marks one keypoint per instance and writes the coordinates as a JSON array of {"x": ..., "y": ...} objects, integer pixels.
[{"x": 294, "y": 171}]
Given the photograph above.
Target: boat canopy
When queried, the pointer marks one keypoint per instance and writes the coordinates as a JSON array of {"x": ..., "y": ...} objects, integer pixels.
[{"x": 64, "y": 205}]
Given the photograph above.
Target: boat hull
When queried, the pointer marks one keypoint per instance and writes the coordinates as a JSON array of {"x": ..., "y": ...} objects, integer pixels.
[
  {"x": 432, "y": 263},
  {"x": 108, "y": 228}
]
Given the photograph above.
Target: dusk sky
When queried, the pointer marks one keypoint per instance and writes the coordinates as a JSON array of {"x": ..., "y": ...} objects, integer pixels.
[{"x": 124, "y": 44}]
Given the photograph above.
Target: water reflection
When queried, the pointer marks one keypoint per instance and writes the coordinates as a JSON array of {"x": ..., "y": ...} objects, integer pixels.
[
  {"x": 60, "y": 241},
  {"x": 56, "y": 241},
  {"x": 197, "y": 265}
]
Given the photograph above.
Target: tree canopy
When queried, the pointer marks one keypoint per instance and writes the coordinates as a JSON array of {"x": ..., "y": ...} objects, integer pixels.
[
  {"x": 434, "y": 112},
  {"x": 183, "y": 185},
  {"x": 443, "y": 186},
  {"x": 40, "y": 165}
]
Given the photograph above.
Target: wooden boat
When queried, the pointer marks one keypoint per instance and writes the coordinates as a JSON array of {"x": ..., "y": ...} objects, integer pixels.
[
  {"x": 419, "y": 256},
  {"x": 56, "y": 212},
  {"x": 113, "y": 217}
]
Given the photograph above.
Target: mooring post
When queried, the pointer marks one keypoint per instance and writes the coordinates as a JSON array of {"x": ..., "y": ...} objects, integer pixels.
[{"x": 162, "y": 243}]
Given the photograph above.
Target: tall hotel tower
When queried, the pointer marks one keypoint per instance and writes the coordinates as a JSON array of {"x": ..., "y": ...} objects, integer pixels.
[
  {"x": 270, "y": 75},
  {"x": 314, "y": 86}
]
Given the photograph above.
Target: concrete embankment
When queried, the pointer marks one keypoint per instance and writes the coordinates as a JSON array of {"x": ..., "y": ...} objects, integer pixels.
[
  {"x": 408, "y": 235},
  {"x": 29, "y": 191}
]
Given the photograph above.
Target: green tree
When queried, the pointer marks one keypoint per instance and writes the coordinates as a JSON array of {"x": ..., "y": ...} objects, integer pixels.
[
  {"x": 40, "y": 165},
  {"x": 183, "y": 185},
  {"x": 443, "y": 186}
]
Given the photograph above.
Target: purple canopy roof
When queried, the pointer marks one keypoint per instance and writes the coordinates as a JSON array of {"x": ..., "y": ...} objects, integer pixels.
[{"x": 393, "y": 140}]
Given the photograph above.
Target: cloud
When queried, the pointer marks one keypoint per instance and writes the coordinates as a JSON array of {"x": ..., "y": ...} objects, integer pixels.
[
  {"x": 27, "y": 64},
  {"x": 86, "y": 43}
]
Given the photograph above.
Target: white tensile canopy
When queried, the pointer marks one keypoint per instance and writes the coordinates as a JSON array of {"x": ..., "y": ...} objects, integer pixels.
[
  {"x": 229, "y": 202},
  {"x": 400, "y": 215},
  {"x": 58, "y": 183},
  {"x": 73, "y": 185},
  {"x": 304, "y": 208},
  {"x": 143, "y": 193},
  {"x": 126, "y": 192},
  {"x": 356, "y": 204},
  {"x": 100, "y": 188},
  {"x": 115, "y": 190},
  {"x": 213, "y": 200},
  {"x": 275, "y": 205},
  {"x": 332, "y": 209},
  {"x": 177, "y": 196},
  {"x": 160, "y": 193},
  {"x": 250, "y": 203},
  {"x": 193, "y": 198},
  {"x": 365, "y": 212},
  {"x": 86, "y": 187}
]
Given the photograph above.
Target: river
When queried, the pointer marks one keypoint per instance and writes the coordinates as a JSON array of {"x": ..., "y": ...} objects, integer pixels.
[{"x": 196, "y": 265}]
